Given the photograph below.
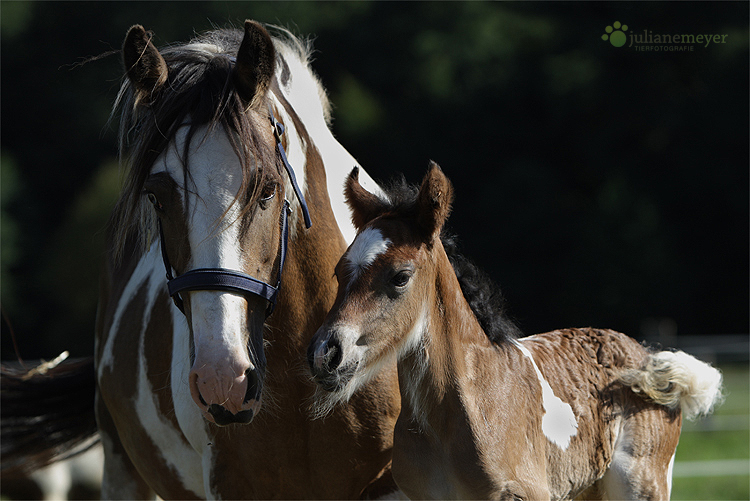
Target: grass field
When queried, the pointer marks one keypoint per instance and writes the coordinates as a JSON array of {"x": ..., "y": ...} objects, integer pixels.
[{"x": 712, "y": 458}]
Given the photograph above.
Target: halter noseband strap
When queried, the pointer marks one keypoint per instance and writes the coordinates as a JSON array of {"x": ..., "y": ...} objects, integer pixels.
[{"x": 222, "y": 279}]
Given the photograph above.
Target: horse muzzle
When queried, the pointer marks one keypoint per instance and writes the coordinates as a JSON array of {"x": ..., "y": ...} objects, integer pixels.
[{"x": 225, "y": 399}]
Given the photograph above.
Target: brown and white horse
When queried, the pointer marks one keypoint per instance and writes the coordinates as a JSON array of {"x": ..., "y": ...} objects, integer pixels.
[
  {"x": 205, "y": 201},
  {"x": 575, "y": 412}
]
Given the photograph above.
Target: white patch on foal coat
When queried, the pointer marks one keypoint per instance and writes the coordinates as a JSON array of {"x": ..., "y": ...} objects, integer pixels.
[
  {"x": 366, "y": 248},
  {"x": 415, "y": 342},
  {"x": 559, "y": 423}
]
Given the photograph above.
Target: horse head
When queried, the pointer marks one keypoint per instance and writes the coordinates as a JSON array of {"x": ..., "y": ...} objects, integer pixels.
[{"x": 208, "y": 177}]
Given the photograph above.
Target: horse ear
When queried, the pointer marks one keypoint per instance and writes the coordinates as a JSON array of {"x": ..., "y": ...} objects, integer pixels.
[
  {"x": 144, "y": 66},
  {"x": 365, "y": 206},
  {"x": 256, "y": 61},
  {"x": 434, "y": 201}
]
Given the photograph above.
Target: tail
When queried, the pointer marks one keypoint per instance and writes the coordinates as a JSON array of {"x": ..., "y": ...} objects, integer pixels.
[
  {"x": 677, "y": 380},
  {"x": 47, "y": 413}
]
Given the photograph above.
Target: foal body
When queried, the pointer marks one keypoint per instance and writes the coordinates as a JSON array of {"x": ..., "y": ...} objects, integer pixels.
[
  {"x": 483, "y": 434},
  {"x": 484, "y": 414}
]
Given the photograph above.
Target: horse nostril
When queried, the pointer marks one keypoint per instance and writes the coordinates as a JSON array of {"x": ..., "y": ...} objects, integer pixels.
[
  {"x": 253, "y": 386},
  {"x": 223, "y": 417}
]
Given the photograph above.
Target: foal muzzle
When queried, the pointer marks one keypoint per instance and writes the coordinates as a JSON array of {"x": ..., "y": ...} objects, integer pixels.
[{"x": 324, "y": 356}]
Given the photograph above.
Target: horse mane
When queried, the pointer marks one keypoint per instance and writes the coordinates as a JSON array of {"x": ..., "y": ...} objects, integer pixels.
[
  {"x": 483, "y": 295},
  {"x": 199, "y": 92}
]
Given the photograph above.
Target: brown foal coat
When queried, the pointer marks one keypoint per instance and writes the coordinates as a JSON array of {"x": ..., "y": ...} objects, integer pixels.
[{"x": 541, "y": 417}]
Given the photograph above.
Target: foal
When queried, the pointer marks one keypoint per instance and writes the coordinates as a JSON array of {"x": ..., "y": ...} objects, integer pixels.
[{"x": 575, "y": 412}]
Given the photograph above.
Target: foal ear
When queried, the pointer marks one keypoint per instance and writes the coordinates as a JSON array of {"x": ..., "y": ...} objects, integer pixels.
[
  {"x": 434, "y": 201},
  {"x": 365, "y": 206},
  {"x": 144, "y": 66},
  {"x": 256, "y": 61}
]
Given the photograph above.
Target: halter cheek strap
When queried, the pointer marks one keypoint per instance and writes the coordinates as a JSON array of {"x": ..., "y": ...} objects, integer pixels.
[
  {"x": 278, "y": 130},
  {"x": 222, "y": 279}
]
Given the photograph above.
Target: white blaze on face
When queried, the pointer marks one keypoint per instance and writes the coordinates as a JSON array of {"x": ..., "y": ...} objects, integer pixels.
[
  {"x": 366, "y": 248},
  {"x": 559, "y": 423},
  {"x": 219, "y": 320},
  {"x": 213, "y": 229}
]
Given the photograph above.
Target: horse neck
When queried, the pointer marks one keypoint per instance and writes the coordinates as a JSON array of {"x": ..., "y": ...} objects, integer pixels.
[
  {"x": 431, "y": 374},
  {"x": 322, "y": 164},
  {"x": 308, "y": 287},
  {"x": 305, "y": 95}
]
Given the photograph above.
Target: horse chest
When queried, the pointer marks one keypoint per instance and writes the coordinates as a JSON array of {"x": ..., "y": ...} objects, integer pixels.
[{"x": 136, "y": 383}]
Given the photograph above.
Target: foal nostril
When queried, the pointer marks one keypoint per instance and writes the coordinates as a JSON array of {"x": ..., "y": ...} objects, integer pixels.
[
  {"x": 324, "y": 356},
  {"x": 332, "y": 357}
]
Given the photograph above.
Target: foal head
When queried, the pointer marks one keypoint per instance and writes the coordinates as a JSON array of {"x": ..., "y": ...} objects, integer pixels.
[
  {"x": 387, "y": 281},
  {"x": 206, "y": 178}
]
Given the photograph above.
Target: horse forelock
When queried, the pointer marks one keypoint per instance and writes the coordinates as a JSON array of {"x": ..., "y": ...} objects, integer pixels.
[{"x": 199, "y": 94}]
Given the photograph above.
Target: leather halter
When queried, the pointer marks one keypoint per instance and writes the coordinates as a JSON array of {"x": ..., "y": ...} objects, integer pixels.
[{"x": 223, "y": 279}]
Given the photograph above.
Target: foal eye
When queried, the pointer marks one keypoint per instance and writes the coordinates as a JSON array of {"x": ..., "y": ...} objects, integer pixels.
[{"x": 401, "y": 278}]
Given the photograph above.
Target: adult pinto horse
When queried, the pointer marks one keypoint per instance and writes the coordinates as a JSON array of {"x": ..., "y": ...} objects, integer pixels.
[
  {"x": 234, "y": 192},
  {"x": 575, "y": 412}
]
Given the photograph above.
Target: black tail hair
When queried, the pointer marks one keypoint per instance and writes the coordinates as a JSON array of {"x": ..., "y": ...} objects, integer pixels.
[{"x": 46, "y": 417}]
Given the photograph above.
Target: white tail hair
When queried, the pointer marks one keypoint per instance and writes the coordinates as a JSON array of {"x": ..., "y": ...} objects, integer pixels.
[{"x": 675, "y": 379}]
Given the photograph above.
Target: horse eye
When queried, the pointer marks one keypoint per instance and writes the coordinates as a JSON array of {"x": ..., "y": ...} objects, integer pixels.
[
  {"x": 267, "y": 195},
  {"x": 401, "y": 278},
  {"x": 154, "y": 201}
]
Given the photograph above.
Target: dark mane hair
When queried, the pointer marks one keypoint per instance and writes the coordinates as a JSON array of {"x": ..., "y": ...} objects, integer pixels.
[
  {"x": 199, "y": 92},
  {"x": 483, "y": 295}
]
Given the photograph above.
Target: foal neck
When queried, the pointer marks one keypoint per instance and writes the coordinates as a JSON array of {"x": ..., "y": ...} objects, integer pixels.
[{"x": 430, "y": 375}]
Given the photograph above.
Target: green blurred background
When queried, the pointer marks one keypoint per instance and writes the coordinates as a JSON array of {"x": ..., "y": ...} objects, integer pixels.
[{"x": 598, "y": 185}]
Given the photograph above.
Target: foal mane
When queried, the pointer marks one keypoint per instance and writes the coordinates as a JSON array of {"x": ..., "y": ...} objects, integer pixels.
[
  {"x": 483, "y": 295},
  {"x": 199, "y": 92}
]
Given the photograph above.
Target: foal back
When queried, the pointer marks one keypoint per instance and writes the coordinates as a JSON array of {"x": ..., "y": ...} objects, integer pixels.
[{"x": 623, "y": 445}]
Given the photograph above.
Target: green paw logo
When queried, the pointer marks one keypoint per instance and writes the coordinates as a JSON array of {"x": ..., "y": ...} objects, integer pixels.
[{"x": 616, "y": 35}]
